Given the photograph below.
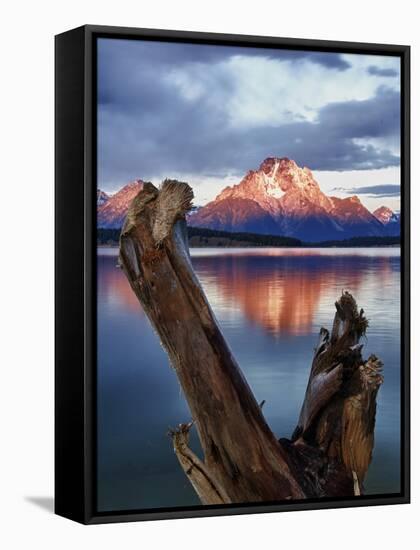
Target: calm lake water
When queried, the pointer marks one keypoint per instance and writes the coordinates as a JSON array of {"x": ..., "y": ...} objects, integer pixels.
[{"x": 270, "y": 304}]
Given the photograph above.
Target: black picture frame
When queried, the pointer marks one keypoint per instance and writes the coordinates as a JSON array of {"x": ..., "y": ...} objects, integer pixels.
[{"x": 75, "y": 272}]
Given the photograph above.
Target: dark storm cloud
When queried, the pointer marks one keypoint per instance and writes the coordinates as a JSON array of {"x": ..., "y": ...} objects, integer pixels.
[
  {"x": 148, "y": 129},
  {"x": 325, "y": 59},
  {"x": 126, "y": 67},
  {"x": 379, "y": 71},
  {"x": 375, "y": 117},
  {"x": 380, "y": 191},
  {"x": 117, "y": 49}
]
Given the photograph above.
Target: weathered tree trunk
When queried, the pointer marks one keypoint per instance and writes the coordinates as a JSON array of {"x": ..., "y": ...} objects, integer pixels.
[{"x": 330, "y": 450}]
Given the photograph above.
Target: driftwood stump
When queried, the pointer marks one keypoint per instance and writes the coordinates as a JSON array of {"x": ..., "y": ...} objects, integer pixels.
[{"x": 331, "y": 447}]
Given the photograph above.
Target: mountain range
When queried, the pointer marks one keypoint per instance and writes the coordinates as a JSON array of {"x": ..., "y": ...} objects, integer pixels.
[
  {"x": 279, "y": 198},
  {"x": 113, "y": 209}
]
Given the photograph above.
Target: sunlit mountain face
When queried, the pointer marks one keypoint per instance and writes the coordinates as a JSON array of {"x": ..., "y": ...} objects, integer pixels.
[
  {"x": 112, "y": 212},
  {"x": 391, "y": 220},
  {"x": 279, "y": 198}
]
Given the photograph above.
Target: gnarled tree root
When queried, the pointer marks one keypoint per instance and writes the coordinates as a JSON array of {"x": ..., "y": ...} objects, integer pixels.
[{"x": 331, "y": 447}]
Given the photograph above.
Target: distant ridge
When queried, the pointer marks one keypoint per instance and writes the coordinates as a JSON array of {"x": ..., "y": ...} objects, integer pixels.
[{"x": 201, "y": 237}]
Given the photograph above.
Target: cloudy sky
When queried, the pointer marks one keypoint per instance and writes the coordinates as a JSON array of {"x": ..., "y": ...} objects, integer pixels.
[{"x": 207, "y": 114}]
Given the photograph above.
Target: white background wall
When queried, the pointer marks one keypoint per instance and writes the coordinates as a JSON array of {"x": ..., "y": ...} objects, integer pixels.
[{"x": 26, "y": 273}]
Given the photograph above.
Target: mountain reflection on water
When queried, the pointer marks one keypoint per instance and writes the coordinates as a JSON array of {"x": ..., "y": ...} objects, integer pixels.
[{"x": 270, "y": 304}]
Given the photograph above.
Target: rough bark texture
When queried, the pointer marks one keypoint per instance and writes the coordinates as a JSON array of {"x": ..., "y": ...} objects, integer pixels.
[{"x": 330, "y": 450}]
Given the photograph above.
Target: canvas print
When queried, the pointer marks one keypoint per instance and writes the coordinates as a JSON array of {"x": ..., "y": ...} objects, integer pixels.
[{"x": 248, "y": 275}]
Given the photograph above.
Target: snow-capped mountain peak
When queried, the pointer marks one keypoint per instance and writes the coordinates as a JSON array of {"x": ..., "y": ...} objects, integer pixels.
[{"x": 282, "y": 198}]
